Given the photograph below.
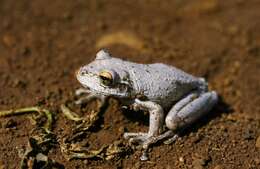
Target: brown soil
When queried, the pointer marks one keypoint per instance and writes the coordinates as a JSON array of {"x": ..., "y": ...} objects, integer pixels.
[{"x": 43, "y": 42}]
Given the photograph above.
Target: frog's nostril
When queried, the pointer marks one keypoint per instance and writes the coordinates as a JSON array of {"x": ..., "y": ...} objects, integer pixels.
[{"x": 83, "y": 72}]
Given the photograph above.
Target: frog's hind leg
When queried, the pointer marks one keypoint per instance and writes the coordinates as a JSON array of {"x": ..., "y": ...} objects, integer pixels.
[{"x": 190, "y": 109}]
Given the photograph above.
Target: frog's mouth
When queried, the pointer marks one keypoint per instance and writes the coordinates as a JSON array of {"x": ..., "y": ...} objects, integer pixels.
[{"x": 93, "y": 82}]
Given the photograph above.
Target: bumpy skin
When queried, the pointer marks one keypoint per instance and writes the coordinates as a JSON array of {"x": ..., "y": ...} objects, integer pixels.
[{"x": 156, "y": 88}]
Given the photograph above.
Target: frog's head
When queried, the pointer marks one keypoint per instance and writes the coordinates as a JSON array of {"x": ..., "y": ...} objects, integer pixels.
[{"x": 106, "y": 76}]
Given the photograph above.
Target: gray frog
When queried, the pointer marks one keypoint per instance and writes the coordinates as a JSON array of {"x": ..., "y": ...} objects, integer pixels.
[{"x": 172, "y": 97}]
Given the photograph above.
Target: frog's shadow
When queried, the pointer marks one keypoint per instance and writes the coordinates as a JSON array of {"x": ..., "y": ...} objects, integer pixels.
[
  {"x": 136, "y": 116},
  {"x": 220, "y": 108}
]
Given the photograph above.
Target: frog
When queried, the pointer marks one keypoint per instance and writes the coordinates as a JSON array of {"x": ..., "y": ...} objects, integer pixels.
[{"x": 173, "y": 98}]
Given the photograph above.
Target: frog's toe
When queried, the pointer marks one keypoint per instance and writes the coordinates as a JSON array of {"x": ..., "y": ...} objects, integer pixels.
[
  {"x": 145, "y": 141},
  {"x": 138, "y": 139},
  {"x": 171, "y": 140},
  {"x": 141, "y": 138},
  {"x": 132, "y": 135},
  {"x": 169, "y": 135}
]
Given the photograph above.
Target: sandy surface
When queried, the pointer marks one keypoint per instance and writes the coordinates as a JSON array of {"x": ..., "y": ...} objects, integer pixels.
[{"x": 43, "y": 42}]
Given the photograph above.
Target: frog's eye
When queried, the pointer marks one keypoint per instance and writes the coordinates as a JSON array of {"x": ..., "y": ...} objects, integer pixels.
[{"x": 106, "y": 77}]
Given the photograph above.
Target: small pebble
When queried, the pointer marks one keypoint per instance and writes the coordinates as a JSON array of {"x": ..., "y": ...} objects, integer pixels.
[
  {"x": 181, "y": 159},
  {"x": 86, "y": 161}
]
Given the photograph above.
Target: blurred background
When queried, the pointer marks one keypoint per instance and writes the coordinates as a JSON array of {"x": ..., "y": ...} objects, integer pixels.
[{"x": 43, "y": 42}]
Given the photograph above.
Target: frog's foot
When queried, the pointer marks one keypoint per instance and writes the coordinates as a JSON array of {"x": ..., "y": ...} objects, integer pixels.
[
  {"x": 136, "y": 137},
  {"x": 170, "y": 135},
  {"x": 143, "y": 139},
  {"x": 146, "y": 140}
]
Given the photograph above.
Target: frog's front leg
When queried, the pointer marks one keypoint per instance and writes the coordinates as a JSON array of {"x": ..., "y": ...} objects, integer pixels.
[
  {"x": 155, "y": 124},
  {"x": 91, "y": 96},
  {"x": 81, "y": 91}
]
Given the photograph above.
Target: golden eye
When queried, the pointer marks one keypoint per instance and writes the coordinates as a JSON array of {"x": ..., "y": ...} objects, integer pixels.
[{"x": 106, "y": 77}]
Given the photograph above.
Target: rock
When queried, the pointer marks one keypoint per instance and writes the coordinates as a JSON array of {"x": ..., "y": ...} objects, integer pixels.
[
  {"x": 257, "y": 143},
  {"x": 126, "y": 38}
]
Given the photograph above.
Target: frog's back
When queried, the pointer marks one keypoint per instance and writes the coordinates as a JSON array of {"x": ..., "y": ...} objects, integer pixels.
[
  {"x": 163, "y": 83},
  {"x": 172, "y": 73}
]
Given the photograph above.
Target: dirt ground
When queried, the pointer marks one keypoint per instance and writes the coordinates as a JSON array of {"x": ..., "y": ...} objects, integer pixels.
[{"x": 43, "y": 42}]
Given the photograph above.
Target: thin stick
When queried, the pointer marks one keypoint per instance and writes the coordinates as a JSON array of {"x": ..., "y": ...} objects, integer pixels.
[
  {"x": 26, "y": 110},
  {"x": 69, "y": 114}
]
